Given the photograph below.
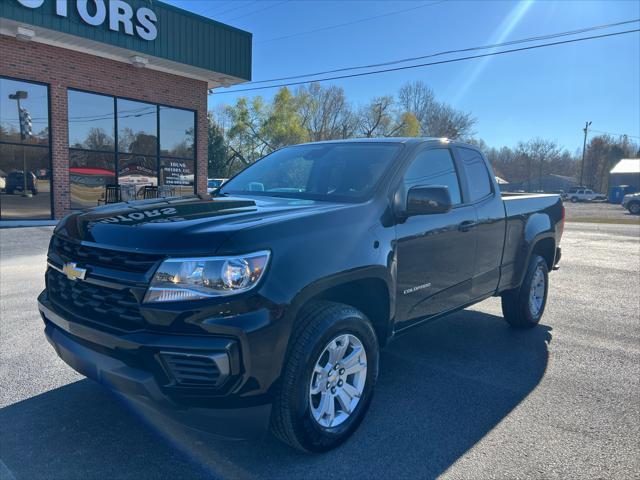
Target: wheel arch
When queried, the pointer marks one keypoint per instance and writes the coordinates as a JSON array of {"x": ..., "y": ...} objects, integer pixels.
[
  {"x": 366, "y": 289},
  {"x": 539, "y": 238}
]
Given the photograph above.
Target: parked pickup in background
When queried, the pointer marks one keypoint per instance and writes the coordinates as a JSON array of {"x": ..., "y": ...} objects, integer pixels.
[
  {"x": 268, "y": 304},
  {"x": 631, "y": 202},
  {"x": 584, "y": 195}
]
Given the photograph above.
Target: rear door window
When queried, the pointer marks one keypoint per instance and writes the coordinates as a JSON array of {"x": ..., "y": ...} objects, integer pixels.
[{"x": 476, "y": 172}]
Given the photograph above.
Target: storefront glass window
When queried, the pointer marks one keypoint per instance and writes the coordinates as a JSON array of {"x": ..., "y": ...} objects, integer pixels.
[
  {"x": 25, "y": 161},
  {"x": 89, "y": 173},
  {"x": 33, "y": 99},
  {"x": 136, "y": 171},
  {"x": 91, "y": 121},
  {"x": 176, "y": 132},
  {"x": 137, "y": 127},
  {"x": 135, "y": 156}
]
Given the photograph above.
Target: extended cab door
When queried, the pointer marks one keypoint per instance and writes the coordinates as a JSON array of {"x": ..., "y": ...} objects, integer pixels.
[
  {"x": 434, "y": 253},
  {"x": 482, "y": 192}
]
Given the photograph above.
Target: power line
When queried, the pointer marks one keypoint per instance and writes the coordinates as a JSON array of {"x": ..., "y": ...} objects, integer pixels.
[
  {"x": 233, "y": 9},
  {"x": 214, "y": 7},
  {"x": 448, "y": 52},
  {"x": 440, "y": 62},
  {"x": 329, "y": 27},
  {"x": 257, "y": 11},
  {"x": 615, "y": 134},
  {"x": 108, "y": 116}
]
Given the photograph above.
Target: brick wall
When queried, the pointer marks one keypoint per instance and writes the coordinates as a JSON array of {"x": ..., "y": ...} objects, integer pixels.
[{"x": 62, "y": 69}]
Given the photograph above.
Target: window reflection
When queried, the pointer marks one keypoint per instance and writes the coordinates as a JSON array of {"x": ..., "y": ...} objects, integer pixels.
[
  {"x": 24, "y": 196},
  {"x": 25, "y": 175},
  {"x": 35, "y": 103},
  {"x": 434, "y": 167},
  {"x": 176, "y": 132},
  {"x": 137, "y": 127},
  {"x": 89, "y": 174},
  {"x": 92, "y": 130},
  {"x": 91, "y": 121},
  {"x": 134, "y": 172}
]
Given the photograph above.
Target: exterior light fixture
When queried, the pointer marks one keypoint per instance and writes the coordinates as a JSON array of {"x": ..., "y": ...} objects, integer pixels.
[
  {"x": 138, "y": 61},
  {"x": 25, "y": 34}
]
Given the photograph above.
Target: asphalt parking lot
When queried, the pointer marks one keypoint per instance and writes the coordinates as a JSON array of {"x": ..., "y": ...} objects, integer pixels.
[{"x": 463, "y": 397}]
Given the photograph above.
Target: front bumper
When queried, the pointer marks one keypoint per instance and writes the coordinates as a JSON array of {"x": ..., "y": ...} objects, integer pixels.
[{"x": 132, "y": 366}]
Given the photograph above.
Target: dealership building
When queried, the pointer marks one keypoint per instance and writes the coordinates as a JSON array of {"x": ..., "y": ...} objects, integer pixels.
[{"x": 105, "y": 100}]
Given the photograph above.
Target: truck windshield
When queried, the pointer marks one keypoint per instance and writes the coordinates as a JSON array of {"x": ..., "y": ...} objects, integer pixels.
[{"x": 331, "y": 172}]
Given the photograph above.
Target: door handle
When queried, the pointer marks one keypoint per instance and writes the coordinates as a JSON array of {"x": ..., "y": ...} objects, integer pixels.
[{"x": 467, "y": 225}]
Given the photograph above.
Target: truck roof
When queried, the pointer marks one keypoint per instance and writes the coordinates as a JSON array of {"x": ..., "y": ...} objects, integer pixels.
[{"x": 403, "y": 140}]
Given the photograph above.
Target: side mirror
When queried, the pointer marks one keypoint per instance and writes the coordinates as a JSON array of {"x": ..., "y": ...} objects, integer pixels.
[{"x": 428, "y": 200}]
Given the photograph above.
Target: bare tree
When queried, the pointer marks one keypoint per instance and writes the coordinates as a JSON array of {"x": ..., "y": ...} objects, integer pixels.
[
  {"x": 437, "y": 119},
  {"x": 417, "y": 98},
  {"x": 324, "y": 112},
  {"x": 446, "y": 121},
  {"x": 537, "y": 153},
  {"x": 603, "y": 152},
  {"x": 377, "y": 118}
]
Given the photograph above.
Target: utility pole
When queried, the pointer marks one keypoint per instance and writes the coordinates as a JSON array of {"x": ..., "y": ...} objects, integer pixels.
[
  {"x": 584, "y": 148},
  {"x": 25, "y": 133}
]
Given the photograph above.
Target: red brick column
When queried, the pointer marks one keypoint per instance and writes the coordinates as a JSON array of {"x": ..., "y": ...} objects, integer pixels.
[
  {"x": 202, "y": 153},
  {"x": 59, "y": 149}
]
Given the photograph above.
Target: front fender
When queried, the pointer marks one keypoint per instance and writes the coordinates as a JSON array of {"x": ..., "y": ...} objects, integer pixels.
[{"x": 321, "y": 285}]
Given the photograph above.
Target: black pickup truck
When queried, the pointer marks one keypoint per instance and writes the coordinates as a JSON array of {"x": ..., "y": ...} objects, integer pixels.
[{"x": 266, "y": 304}]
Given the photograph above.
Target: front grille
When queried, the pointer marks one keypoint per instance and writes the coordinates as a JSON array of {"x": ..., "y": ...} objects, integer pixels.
[
  {"x": 193, "y": 370},
  {"x": 69, "y": 251},
  {"x": 114, "y": 308}
]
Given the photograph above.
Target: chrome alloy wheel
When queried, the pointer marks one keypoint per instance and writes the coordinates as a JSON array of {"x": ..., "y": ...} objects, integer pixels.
[
  {"x": 338, "y": 380},
  {"x": 536, "y": 294}
]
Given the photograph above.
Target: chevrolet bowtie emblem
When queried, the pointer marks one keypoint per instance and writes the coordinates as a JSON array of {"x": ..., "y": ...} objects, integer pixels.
[{"x": 73, "y": 272}]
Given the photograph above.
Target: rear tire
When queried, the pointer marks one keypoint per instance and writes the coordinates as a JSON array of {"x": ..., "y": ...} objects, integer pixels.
[
  {"x": 574, "y": 199},
  {"x": 320, "y": 421},
  {"x": 634, "y": 208},
  {"x": 523, "y": 307}
]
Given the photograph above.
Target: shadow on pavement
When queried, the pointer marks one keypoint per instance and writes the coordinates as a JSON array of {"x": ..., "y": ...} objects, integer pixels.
[{"x": 441, "y": 389}]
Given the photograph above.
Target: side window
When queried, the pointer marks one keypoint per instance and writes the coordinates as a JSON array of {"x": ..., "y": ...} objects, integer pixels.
[
  {"x": 477, "y": 174},
  {"x": 434, "y": 167}
]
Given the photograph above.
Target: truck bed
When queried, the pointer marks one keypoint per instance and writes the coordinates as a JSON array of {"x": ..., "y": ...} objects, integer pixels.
[
  {"x": 518, "y": 204},
  {"x": 526, "y": 213}
]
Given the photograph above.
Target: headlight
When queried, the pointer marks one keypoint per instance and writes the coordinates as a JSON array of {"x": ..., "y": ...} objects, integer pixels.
[{"x": 180, "y": 279}]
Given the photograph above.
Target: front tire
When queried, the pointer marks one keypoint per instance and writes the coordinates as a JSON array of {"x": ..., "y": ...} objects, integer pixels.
[
  {"x": 523, "y": 307},
  {"x": 574, "y": 199},
  {"x": 634, "y": 208},
  {"x": 328, "y": 377}
]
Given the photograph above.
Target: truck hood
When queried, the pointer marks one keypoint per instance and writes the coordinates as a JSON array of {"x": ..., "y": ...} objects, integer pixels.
[{"x": 182, "y": 225}]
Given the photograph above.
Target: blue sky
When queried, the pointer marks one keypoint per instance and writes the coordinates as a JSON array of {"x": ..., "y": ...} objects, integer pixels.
[{"x": 548, "y": 92}]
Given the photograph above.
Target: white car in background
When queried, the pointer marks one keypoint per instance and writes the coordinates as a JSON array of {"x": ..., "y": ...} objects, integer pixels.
[
  {"x": 215, "y": 183},
  {"x": 584, "y": 195}
]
